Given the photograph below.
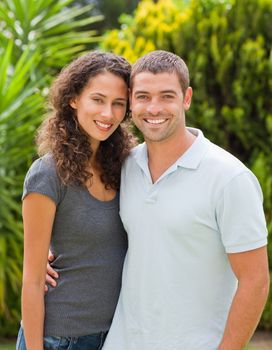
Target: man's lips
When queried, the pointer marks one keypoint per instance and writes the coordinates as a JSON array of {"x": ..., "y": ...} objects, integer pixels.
[{"x": 103, "y": 126}]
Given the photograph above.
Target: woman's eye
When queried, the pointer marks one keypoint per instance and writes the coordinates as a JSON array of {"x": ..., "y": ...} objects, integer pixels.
[
  {"x": 97, "y": 100},
  {"x": 121, "y": 104}
]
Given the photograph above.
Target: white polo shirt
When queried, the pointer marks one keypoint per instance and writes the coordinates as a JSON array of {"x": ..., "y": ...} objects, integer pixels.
[{"x": 177, "y": 282}]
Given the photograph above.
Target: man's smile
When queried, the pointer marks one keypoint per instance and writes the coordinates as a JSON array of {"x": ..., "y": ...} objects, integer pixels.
[{"x": 155, "y": 121}]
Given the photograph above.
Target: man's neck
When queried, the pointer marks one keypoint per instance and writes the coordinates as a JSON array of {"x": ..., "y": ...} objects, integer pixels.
[{"x": 161, "y": 155}]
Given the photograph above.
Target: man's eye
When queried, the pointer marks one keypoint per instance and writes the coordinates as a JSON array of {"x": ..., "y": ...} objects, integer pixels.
[{"x": 141, "y": 97}]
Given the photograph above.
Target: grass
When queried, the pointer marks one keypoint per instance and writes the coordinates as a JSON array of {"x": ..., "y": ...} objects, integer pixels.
[{"x": 10, "y": 346}]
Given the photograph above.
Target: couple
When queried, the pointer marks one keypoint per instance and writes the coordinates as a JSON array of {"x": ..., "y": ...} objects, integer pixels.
[{"x": 195, "y": 276}]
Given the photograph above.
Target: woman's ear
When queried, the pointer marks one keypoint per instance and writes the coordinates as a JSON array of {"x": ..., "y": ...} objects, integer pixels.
[{"x": 73, "y": 103}]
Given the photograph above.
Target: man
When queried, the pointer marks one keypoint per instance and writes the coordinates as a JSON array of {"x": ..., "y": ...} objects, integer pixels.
[{"x": 196, "y": 273}]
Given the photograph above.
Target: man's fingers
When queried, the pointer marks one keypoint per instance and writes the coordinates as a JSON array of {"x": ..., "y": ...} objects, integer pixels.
[
  {"x": 51, "y": 272},
  {"x": 51, "y": 275},
  {"x": 50, "y": 256},
  {"x": 50, "y": 280}
]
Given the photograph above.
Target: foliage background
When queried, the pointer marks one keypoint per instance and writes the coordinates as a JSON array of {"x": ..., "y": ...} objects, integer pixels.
[{"x": 227, "y": 45}]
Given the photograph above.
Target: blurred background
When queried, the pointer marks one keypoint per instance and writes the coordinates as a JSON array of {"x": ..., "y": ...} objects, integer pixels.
[{"x": 227, "y": 45}]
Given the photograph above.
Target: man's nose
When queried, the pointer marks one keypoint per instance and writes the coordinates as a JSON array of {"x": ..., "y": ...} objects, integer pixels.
[{"x": 154, "y": 107}]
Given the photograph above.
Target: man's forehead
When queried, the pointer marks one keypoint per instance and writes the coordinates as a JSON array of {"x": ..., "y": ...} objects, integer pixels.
[
  {"x": 147, "y": 80},
  {"x": 154, "y": 76}
]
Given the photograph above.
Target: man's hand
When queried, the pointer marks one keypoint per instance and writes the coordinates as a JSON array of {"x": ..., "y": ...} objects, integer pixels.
[
  {"x": 251, "y": 270},
  {"x": 51, "y": 274}
]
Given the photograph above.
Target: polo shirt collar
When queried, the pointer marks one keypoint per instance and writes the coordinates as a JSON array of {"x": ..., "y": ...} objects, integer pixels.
[
  {"x": 195, "y": 153},
  {"x": 190, "y": 159}
]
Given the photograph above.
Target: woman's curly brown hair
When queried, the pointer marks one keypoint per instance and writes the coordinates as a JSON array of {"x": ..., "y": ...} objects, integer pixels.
[{"x": 61, "y": 135}]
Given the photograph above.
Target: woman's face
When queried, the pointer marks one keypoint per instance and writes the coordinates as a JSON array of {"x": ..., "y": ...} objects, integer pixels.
[{"x": 101, "y": 106}]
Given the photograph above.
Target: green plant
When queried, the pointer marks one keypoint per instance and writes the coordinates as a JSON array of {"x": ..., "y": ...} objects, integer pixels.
[
  {"x": 50, "y": 27},
  {"x": 20, "y": 101}
]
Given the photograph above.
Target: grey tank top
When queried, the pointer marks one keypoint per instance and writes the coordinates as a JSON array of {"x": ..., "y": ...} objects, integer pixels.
[{"x": 89, "y": 242}]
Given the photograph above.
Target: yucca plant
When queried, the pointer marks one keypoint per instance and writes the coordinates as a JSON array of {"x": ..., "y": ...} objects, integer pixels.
[
  {"x": 21, "y": 108},
  {"x": 37, "y": 38},
  {"x": 56, "y": 31}
]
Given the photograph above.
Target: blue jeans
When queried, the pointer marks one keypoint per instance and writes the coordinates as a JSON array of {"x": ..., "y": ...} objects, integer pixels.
[{"x": 87, "y": 342}]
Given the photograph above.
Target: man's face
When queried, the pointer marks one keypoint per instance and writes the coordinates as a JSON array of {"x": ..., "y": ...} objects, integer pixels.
[{"x": 158, "y": 105}]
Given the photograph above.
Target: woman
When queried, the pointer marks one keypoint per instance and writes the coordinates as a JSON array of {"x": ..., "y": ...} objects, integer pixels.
[{"x": 70, "y": 204}]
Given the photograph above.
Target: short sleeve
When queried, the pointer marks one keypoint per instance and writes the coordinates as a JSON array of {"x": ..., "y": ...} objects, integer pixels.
[
  {"x": 42, "y": 178},
  {"x": 240, "y": 214}
]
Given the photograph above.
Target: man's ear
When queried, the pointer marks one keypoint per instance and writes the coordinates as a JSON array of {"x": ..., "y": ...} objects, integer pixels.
[
  {"x": 188, "y": 98},
  {"x": 73, "y": 103}
]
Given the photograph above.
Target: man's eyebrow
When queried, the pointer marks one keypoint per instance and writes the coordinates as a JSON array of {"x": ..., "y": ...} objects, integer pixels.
[
  {"x": 140, "y": 92},
  {"x": 168, "y": 92},
  {"x": 161, "y": 92}
]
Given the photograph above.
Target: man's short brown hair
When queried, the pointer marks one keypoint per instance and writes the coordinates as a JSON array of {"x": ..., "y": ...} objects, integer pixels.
[{"x": 160, "y": 61}]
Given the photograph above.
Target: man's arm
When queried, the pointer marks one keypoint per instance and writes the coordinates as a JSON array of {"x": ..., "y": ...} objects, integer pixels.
[{"x": 252, "y": 272}]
